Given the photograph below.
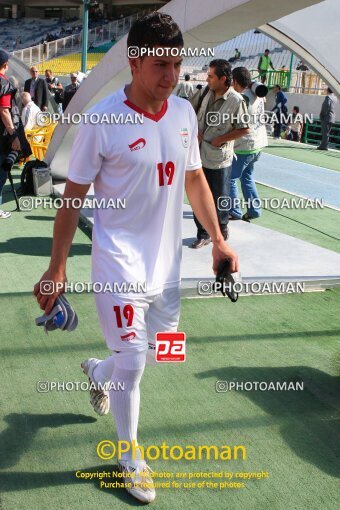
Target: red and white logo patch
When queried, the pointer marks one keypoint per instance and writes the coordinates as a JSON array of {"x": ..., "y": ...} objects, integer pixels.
[
  {"x": 137, "y": 145},
  {"x": 128, "y": 336},
  {"x": 170, "y": 347}
]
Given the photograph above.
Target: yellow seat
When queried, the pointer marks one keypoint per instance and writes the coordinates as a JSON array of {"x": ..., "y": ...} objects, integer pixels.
[{"x": 39, "y": 139}]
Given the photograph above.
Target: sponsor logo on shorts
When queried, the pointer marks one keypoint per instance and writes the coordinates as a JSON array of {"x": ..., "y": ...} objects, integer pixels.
[
  {"x": 128, "y": 336},
  {"x": 170, "y": 347},
  {"x": 137, "y": 145}
]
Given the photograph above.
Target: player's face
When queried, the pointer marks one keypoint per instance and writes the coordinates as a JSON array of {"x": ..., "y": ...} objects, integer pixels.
[
  {"x": 214, "y": 82},
  {"x": 157, "y": 76}
]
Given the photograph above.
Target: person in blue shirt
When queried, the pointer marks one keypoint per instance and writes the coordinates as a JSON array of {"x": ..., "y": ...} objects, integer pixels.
[{"x": 280, "y": 110}]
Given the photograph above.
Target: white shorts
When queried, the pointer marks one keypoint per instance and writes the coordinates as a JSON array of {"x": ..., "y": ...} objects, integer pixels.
[{"x": 132, "y": 323}]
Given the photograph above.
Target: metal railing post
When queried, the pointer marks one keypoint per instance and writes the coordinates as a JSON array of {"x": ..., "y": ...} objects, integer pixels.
[{"x": 85, "y": 36}]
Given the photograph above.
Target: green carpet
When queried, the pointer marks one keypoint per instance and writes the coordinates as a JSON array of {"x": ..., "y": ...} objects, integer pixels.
[
  {"x": 305, "y": 154},
  {"x": 316, "y": 226},
  {"x": 46, "y": 437},
  {"x": 26, "y": 243}
]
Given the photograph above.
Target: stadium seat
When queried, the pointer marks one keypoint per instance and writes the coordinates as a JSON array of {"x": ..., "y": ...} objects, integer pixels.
[{"x": 39, "y": 140}]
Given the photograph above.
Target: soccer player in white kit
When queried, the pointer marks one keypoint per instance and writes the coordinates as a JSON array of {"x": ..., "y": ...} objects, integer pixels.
[{"x": 149, "y": 164}]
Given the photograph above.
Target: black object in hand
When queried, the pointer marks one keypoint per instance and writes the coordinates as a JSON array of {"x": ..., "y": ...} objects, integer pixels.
[{"x": 225, "y": 281}]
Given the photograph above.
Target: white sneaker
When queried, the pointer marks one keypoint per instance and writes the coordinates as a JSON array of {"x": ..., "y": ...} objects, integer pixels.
[
  {"x": 138, "y": 480},
  {"x": 4, "y": 215},
  {"x": 99, "y": 400}
]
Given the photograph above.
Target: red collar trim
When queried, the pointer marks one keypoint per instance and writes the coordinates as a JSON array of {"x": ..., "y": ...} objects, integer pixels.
[{"x": 152, "y": 116}]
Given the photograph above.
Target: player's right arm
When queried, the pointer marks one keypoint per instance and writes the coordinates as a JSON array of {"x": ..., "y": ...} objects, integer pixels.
[
  {"x": 85, "y": 163},
  {"x": 65, "y": 225}
]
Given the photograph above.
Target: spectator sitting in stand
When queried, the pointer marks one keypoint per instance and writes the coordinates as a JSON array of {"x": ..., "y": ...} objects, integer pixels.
[{"x": 237, "y": 56}]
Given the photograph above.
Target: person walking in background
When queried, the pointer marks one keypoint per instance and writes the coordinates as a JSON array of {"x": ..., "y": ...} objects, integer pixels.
[
  {"x": 29, "y": 112},
  {"x": 221, "y": 119},
  {"x": 263, "y": 65},
  {"x": 37, "y": 87},
  {"x": 52, "y": 81},
  {"x": 302, "y": 67},
  {"x": 280, "y": 110},
  {"x": 296, "y": 126},
  {"x": 55, "y": 88},
  {"x": 70, "y": 90},
  {"x": 248, "y": 148},
  {"x": 185, "y": 89},
  {"x": 327, "y": 118}
]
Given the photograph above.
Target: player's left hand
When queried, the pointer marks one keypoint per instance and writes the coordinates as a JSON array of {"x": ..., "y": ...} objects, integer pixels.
[{"x": 222, "y": 251}]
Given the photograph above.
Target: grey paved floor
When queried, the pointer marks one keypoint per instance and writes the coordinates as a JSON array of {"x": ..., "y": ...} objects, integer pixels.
[{"x": 264, "y": 254}]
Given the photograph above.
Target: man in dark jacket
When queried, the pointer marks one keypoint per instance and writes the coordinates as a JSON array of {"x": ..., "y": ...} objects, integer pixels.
[
  {"x": 70, "y": 90},
  {"x": 327, "y": 118},
  {"x": 38, "y": 89},
  {"x": 12, "y": 140}
]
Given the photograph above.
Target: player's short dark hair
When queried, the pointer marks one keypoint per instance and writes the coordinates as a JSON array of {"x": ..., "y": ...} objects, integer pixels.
[
  {"x": 329, "y": 90},
  {"x": 222, "y": 68},
  {"x": 48, "y": 71},
  {"x": 267, "y": 50},
  {"x": 155, "y": 29},
  {"x": 4, "y": 57},
  {"x": 187, "y": 77},
  {"x": 278, "y": 86},
  {"x": 242, "y": 76},
  {"x": 296, "y": 108}
]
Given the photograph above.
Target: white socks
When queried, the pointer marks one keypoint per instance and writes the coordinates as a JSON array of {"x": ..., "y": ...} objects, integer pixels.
[
  {"x": 128, "y": 370},
  {"x": 103, "y": 371}
]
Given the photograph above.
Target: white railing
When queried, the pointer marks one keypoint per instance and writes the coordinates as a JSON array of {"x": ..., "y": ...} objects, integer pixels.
[
  {"x": 307, "y": 82},
  {"x": 41, "y": 52}
]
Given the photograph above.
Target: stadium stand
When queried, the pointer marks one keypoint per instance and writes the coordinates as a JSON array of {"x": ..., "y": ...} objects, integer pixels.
[
  {"x": 32, "y": 31},
  {"x": 70, "y": 63},
  {"x": 70, "y": 42},
  {"x": 250, "y": 44}
]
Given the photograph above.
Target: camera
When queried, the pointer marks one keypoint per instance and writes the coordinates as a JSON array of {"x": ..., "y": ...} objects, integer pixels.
[
  {"x": 225, "y": 281},
  {"x": 259, "y": 89},
  {"x": 10, "y": 159}
]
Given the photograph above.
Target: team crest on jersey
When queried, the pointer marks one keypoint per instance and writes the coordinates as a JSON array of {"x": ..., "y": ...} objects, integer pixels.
[
  {"x": 137, "y": 145},
  {"x": 185, "y": 137}
]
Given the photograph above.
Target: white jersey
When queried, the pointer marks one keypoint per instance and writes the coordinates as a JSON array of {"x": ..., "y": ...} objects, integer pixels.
[{"x": 145, "y": 164}]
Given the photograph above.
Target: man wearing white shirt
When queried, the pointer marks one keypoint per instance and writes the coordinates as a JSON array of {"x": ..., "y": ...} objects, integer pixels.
[
  {"x": 185, "y": 89},
  {"x": 29, "y": 112}
]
